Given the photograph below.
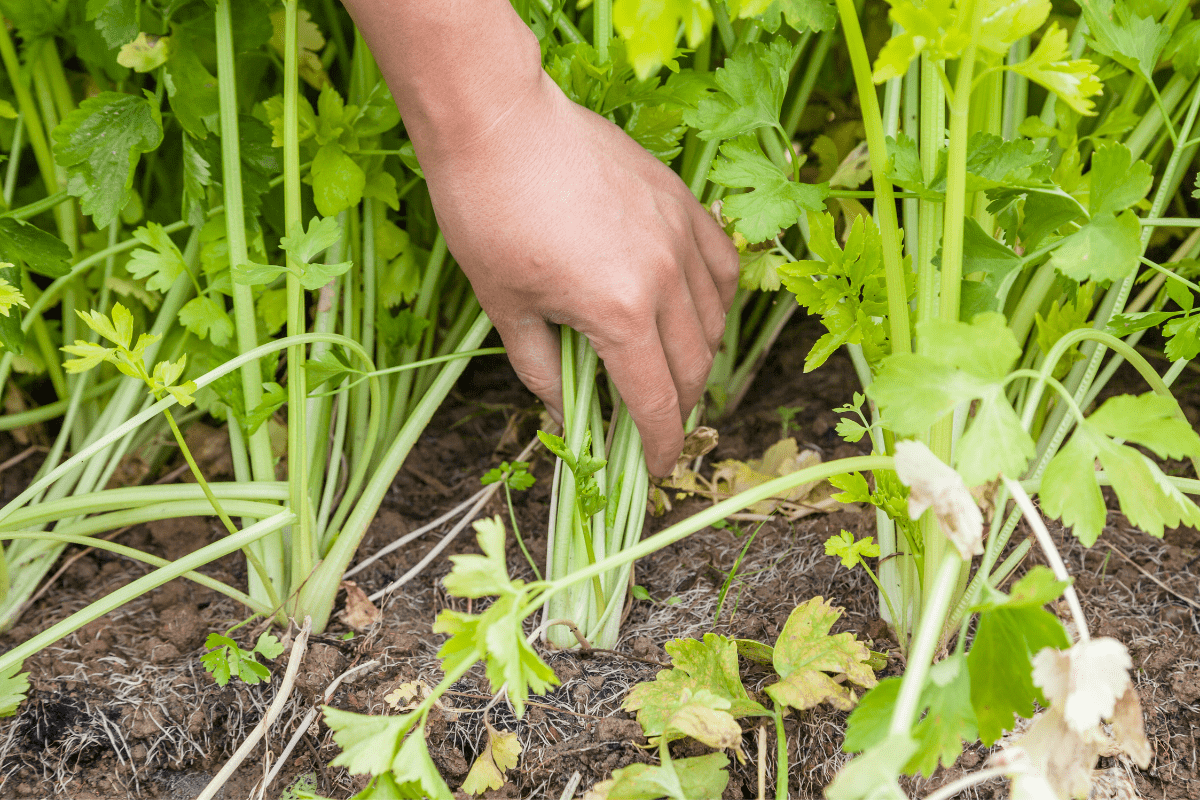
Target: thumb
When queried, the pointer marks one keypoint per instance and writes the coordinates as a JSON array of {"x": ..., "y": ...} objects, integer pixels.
[{"x": 533, "y": 351}]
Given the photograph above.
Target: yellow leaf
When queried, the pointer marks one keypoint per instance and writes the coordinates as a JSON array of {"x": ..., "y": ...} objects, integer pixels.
[
  {"x": 500, "y": 754},
  {"x": 310, "y": 41},
  {"x": 145, "y": 53}
]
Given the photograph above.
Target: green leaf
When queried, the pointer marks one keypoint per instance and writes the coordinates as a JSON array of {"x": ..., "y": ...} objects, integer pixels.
[
  {"x": 705, "y": 717},
  {"x": 1134, "y": 42},
  {"x": 208, "y": 319},
  {"x": 87, "y": 355},
  {"x": 369, "y": 743},
  {"x": 1117, "y": 182},
  {"x": 145, "y": 53},
  {"x": 801, "y": 15},
  {"x": 12, "y": 338},
  {"x": 1006, "y": 21},
  {"x": 557, "y": 446},
  {"x": 657, "y": 129},
  {"x": 850, "y": 551},
  {"x": 1074, "y": 82},
  {"x": 1183, "y": 337},
  {"x": 160, "y": 266},
  {"x": 268, "y": 645},
  {"x": 699, "y": 777},
  {"x": 774, "y": 202},
  {"x": 751, "y": 85},
  {"x": 481, "y": 575},
  {"x": 1125, "y": 324},
  {"x": 931, "y": 27},
  {"x": 1105, "y": 249},
  {"x": 989, "y": 269},
  {"x": 709, "y": 664},
  {"x": 100, "y": 143},
  {"x": 650, "y": 28},
  {"x": 1069, "y": 487},
  {"x": 806, "y": 652},
  {"x": 873, "y": 775},
  {"x": 196, "y": 178},
  {"x": 115, "y": 19},
  {"x": 338, "y": 181},
  {"x": 304, "y": 245},
  {"x": 1151, "y": 420},
  {"x": 868, "y": 723},
  {"x": 13, "y": 688},
  {"x": 760, "y": 270},
  {"x": 510, "y": 659},
  {"x": 21, "y": 242},
  {"x": 192, "y": 90},
  {"x": 10, "y": 295},
  {"x": 904, "y": 166},
  {"x": 1011, "y": 629},
  {"x": 415, "y": 774},
  {"x": 251, "y": 274}
]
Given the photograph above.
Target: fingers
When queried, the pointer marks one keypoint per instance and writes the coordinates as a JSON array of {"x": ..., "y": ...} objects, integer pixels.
[
  {"x": 689, "y": 344},
  {"x": 533, "y": 351},
  {"x": 639, "y": 369},
  {"x": 719, "y": 254}
]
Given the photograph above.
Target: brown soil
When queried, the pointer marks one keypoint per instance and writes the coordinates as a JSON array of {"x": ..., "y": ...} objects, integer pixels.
[{"x": 123, "y": 708}]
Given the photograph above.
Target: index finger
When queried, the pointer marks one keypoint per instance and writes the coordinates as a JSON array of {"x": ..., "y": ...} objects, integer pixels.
[{"x": 638, "y": 368}]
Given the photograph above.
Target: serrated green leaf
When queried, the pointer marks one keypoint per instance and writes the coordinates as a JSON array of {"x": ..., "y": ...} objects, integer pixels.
[
  {"x": 989, "y": 270},
  {"x": 931, "y": 27},
  {"x": 13, "y": 688},
  {"x": 115, "y": 19},
  {"x": 249, "y": 273},
  {"x": 806, "y": 652},
  {"x": 1118, "y": 32},
  {"x": 774, "y": 202},
  {"x": 305, "y": 245},
  {"x": 192, "y": 90},
  {"x": 481, "y": 575},
  {"x": 10, "y": 295},
  {"x": 751, "y": 85},
  {"x": 698, "y": 777},
  {"x": 801, "y": 15},
  {"x": 510, "y": 659},
  {"x": 1117, "y": 181},
  {"x": 711, "y": 664},
  {"x": 1011, "y": 629},
  {"x": 1151, "y": 420},
  {"x": 369, "y": 743},
  {"x": 208, "y": 319},
  {"x": 1072, "y": 81},
  {"x": 657, "y": 129},
  {"x": 760, "y": 270},
  {"x": 874, "y": 774},
  {"x": 1183, "y": 337},
  {"x": 160, "y": 266},
  {"x": 851, "y": 551},
  {"x": 100, "y": 143},
  {"x": 650, "y": 29},
  {"x": 268, "y": 645},
  {"x": 1105, "y": 249}
]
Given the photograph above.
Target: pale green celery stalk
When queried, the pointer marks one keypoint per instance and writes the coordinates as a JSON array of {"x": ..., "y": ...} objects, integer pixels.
[
  {"x": 712, "y": 514},
  {"x": 128, "y": 497},
  {"x": 910, "y": 207},
  {"x": 404, "y": 396},
  {"x": 929, "y": 212},
  {"x": 987, "y": 115},
  {"x": 259, "y": 445},
  {"x": 14, "y": 161},
  {"x": 158, "y": 577},
  {"x": 29, "y": 115},
  {"x": 319, "y": 408},
  {"x": 783, "y": 307},
  {"x": 303, "y": 537},
  {"x": 794, "y": 111},
  {"x": 261, "y": 459},
  {"x": 138, "y": 555},
  {"x": 1141, "y": 137},
  {"x": 925, "y": 645},
  {"x": 369, "y": 306},
  {"x": 941, "y": 436},
  {"x": 81, "y": 381},
  {"x": 317, "y": 594},
  {"x": 602, "y": 27},
  {"x": 885, "y": 205},
  {"x": 1016, "y": 91}
]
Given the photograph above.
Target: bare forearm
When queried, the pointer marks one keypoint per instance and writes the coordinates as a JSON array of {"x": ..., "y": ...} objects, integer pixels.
[{"x": 454, "y": 66}]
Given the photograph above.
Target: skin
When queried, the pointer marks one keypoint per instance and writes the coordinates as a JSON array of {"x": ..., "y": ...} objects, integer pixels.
[{"x": 555, "y": 215}]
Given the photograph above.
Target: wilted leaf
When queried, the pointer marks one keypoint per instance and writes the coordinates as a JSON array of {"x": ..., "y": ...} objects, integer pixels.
[
  {"x": 807, "y": 658},
  {"x": 934, "y": 485},
  {"x": 360, "y": 613}
]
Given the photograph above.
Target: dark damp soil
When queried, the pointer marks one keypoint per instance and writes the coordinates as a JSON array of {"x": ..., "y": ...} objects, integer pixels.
[{"x": 123, "y": 708}]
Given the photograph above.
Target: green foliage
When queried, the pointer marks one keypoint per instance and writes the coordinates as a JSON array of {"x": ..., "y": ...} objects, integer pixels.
[
  {"x": 650, "y": 29},
  {"x": 14, "y": 685},
  {"x": 962, "y": 363},
  {"x": 1011, "y": 629},
  {"x": 750, "y": 89},
  {"x": 773, "y": 201},
  {"x": 849, "y": 550},
  {"x": 846, "y": 287},
  {"x": 515, "y": 475},
  {"x": 686, "y": 778},
  {"x": 496, "y": 633},
  {"x": 23, "y": 243},
  {"x": 806, "y": 653},
  {"x": 1070, "y": 489},
  {"x": 100, "y": 143},
  {"x": 225, "y": 658}
]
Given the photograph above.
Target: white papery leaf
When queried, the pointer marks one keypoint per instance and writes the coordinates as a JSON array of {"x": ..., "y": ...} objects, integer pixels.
[
  {"x": 934, "y": 484},
  {"x": 1084, "y": 683}
]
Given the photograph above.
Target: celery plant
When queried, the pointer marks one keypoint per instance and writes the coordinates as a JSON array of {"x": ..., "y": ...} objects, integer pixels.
[{"x": 392, "y": 323}]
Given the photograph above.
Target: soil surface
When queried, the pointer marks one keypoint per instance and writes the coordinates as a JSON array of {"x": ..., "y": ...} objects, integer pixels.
[{"x": 123, "y": 708}]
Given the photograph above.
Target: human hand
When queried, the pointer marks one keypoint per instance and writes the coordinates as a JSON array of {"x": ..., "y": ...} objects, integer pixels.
[{"x": 557, "y": 216}]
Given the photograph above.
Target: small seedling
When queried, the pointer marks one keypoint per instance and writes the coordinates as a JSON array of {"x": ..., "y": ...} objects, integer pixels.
[
  {"x": 225, "y": 658},
  {"x": 514, "y": 477}
]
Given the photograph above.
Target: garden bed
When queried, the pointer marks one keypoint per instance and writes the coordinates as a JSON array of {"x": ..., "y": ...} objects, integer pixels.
[{"x": 124, "y": 707}]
